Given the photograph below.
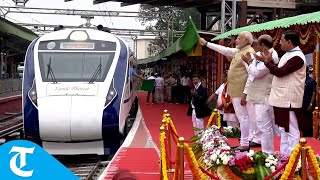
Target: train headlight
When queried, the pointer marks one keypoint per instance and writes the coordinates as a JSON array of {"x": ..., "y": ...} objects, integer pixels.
[
  {"x": 112, "y": 93},
  {"x": 78, "y": 36},
  {"x": 33, "y": 93}
]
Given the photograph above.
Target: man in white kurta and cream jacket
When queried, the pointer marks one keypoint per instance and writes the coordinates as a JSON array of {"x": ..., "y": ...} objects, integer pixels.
[
  {"x": 258, "y": 92},
  {"x": 237, "y": 77},
  {"x": 287, "y": 89}
]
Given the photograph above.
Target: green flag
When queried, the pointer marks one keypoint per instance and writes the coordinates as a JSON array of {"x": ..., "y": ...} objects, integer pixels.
[
  {"x": 147, "y": 85},
  {"x": 190, "y": 37}
]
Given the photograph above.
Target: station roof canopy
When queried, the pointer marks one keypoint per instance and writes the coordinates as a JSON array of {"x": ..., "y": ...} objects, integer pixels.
[
  {"x": 205, "y": 4},
  {"x": 10, "y": 28},
  {"x": 281, "y": 23},
  {"x": 16, "y": 38}
]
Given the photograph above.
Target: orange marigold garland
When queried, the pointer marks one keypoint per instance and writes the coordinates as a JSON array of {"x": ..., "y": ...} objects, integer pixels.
[
  {"x": 218, "y": 119},
  {"x": 177, "y": 164},
  {"x": 163, "y": 156},
  {"x": 313, "y": 163},
  {"x": 193, "y": 163},
  {"x": 210, "y": 119},
  {"x": 175, "y": 136},
  {"x": 293, "y": 161},
  {"x": 214, "y": 114}
]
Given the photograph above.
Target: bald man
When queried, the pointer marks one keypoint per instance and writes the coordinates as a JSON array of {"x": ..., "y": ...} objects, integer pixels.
[
  {"x": 237, "y": 77},
  {"x": 258, "y": 92}
]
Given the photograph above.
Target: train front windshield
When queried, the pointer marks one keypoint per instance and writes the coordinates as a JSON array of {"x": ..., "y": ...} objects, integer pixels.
[{"x": 75, "y": 66}]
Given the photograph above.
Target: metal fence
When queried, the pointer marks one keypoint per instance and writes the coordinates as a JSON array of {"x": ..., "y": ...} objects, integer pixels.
[{"x": 10, "y": 85}]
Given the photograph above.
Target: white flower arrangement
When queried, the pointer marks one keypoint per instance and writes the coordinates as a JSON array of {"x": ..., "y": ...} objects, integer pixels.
[
  {"x": 215, "y": 148},
  {"x": 250, "y": 154},
  {"x": 271, "y": 162},
  {"x": 228, "y": 129},
  {"x": 212, "y": 137},
  {"x": 217, "y": 156}
]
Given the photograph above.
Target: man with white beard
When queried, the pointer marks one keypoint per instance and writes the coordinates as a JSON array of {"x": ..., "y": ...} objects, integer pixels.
[{"x": 237, "y": 77}]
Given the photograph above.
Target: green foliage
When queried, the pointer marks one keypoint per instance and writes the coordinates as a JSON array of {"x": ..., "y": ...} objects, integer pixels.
[
  {"x": 260, "y": 158},
  {"x": 235, "y": 133},
  {"x": 194, "y": 138},
  {"x": 164, "y": 18},
  {"x": 196, "y": 148},
  {"x": 261, "y": 172}
]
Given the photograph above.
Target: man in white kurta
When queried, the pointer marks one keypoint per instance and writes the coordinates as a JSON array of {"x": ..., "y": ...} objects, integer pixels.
[
  {"x": 237, "y": 77},
  {"x": 287, "y": 89},
  {"x": 258, "y": 93},
  {"x": 254, "y": 138}
]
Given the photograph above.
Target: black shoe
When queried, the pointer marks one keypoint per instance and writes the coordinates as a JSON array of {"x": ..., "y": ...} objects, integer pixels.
[
  {"x": 253, "y": 144},
  {"x": 242, "y": 148},
  {"x": 234, "y": 147}
]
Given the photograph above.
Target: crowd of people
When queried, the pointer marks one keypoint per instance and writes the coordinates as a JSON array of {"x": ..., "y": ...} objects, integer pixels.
[
  {"x": 266, "y": 96},
  {"x": 261, "y": 94},
  {"x": 170, "y": 88}
]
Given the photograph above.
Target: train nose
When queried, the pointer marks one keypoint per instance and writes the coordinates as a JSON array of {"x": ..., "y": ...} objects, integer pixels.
[
  {"x": 71, "y": 118},
  {"x": 54, "y": 118},
  {"x": 86, "y": 118}
]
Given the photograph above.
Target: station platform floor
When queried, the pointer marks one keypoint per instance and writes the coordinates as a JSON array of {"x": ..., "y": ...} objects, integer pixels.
[
  {"x": 143, "y": 162},
  {"x": 9, "y": 94}
]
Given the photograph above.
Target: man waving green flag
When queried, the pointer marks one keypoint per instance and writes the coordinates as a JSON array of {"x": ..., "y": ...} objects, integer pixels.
[{"x": 190, "y": 38}]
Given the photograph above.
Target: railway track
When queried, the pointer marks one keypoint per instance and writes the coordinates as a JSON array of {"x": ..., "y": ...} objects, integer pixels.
[
  {"x": 10, "y": 125},
  {"x": 84, "y": 166}
]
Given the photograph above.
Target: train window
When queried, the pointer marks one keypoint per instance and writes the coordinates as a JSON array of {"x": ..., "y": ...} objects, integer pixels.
[{"x": 74, "y": 66}]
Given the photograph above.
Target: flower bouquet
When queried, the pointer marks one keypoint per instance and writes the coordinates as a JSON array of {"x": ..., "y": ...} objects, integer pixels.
[
  {"x": 208, "y": 135},
  {"x": 216, "y": 156}
]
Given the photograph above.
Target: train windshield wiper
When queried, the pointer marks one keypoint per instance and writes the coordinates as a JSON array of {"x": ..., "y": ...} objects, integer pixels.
[
  {"x": 51, "y": 72},
  {"x": 96, "y": 73}
]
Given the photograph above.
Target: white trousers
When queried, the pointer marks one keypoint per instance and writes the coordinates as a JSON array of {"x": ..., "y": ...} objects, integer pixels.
[
  {"x": 242, "y": 115},
  {"x": 290, "y": 139},
  {"x": 159, "y": 94},
  {"x": 231, "y": 119},
  {"x": 197, "y": 122},
  {"x": 253, "y": 136},
  {"x": 264, "y": 127}
]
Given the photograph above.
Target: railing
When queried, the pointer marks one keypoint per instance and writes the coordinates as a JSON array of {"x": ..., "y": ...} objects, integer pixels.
[
  {"x": 10, "y": 85},
  {"x": 168, "y": 133}
]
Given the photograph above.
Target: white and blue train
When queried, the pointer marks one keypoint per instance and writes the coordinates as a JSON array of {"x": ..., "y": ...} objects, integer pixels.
[{"x": 76, "y": 91}]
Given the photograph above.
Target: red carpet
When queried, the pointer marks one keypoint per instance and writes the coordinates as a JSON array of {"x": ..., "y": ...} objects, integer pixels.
[
  {"x": 152, "y": 114},
  {"x": 142, "y": 162}
]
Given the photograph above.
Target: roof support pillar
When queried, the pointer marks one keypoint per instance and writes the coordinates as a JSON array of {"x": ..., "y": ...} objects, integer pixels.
[
  {"x": 203, "y": 20},
  {"x": 243, "y": 14},
  {"x": 234, "y": 14},
  {"x": 223, "y": 15}
]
